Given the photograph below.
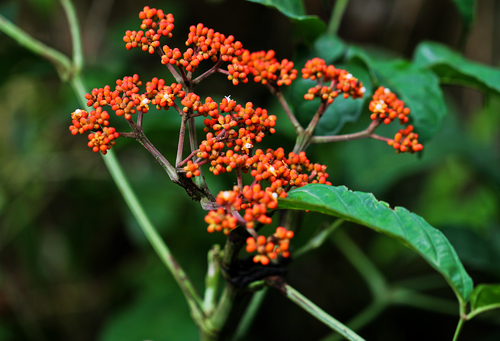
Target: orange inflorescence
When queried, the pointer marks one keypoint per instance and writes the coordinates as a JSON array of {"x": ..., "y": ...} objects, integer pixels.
[
  {"x": 207, "y": 44},
  {"x": 266, "y": 68},
  {"x": 331, "y": 82},
  {"x": 232, "y": 126},
  {"x": 406, "y": 140},
  {"x": 232, "y": 130},
  {"x": 124, "y": 100},
  {"x": 101, "y": 137},
  {"x": 161, "y": 95},
  {"x": 386, "y": 106},
  {"x": 269, "y": 248},
  {"x": 155, "y": 24},
  {"x": 103, "y": 140}
]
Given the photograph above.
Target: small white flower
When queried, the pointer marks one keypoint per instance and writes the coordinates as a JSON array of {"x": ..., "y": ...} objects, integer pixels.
[
  {"x": 275, "y": 196},
  {"x": 77, "y": 111},
  {"x": 228, "y": 97},
  {"x": 386, "y": 90},
  {"x": 248, "y": 145},
  {"x": 145, "y": 101},
  {"x": 226, "y": 195},
  {"x": 362, "y": 90},
  {"x": 378, "y": 107},
  {"x": 382, "y": 101},
  {"x": 348, "y": 76}
]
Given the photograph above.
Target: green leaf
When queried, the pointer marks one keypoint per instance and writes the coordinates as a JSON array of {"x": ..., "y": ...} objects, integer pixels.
[
  {"x": 484, "y": 297},
  {"x": 452, "y": 68},
  {"x": 398, "y": 223},
  {"x": 466, "y": 9},
  {"x": 328, "y": 47},
  {"x": 309, "y": 26}
]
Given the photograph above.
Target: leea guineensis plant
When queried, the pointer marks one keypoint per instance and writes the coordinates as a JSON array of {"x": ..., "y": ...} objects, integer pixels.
[{"x": 257, "y": 218}]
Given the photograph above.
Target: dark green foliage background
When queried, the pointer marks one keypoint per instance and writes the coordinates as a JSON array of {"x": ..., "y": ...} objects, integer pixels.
[{"x": 74, "y": 264}]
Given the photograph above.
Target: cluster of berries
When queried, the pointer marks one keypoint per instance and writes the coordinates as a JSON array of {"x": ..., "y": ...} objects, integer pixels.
[
  {"x": 124, "y": 100},
  {"x": 235, "y": 127},
  {"x": 269, "y": 248},
  {"x": 207, "y": 44},
  {"x": 387, "y": 107},
  {"x": 331, "y": 82},
  {"x": 406, "y": 140},
  {"x": 103, "y": 136},
  {"x": 265, "y": 68},
  {"x": 155, "y": 24},
  {"x": 282, "y": 173}
]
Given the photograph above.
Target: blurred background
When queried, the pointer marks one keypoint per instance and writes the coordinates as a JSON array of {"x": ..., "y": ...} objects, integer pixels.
[{"x": 74, "y": 264}]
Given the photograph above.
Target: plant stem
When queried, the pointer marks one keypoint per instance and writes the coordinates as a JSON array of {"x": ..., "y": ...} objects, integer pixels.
[
  {"x": 212, "y": 280},
  {"x": 314, "y": 310},
  {"x": 180, "y": 146},
  {"x": 207, "y": 73},
  {"x": 336, "y": 18},
  {"x": 304, "y": 139},
  {"x": 461, "y": 321},
  {"x": 67, "y": 70},
  {"x": 61, "y": 62},
  {"x": 367, "y": 133},
  {"x": 361, "y": 319},
  {"x": 318, "y": 239},
  {"x": 364, "y": 266},
  {"x": 76, "y": 39},
  {"x": 288, "y": 111},
  {"x": 459, "y": 329},
  {"x": 249, "y": 316},
  {"x": 153, "y": 236},
  {"x": 162, "y": 160}
]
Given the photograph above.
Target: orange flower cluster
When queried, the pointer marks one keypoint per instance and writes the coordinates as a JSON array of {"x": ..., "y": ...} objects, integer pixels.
[
  {"x": 207, "y": 44},
  {"x": 103, "y": 137},
  {"x": 265, "y": 68},
  {"x": 103, "y": 140},
  {"x": 406, "y": 140},
  {"x": 124, "y": 100},
  {"x": 337, "y": 81},
  {"x": 156, "y": 25},
  {"x": 281, "y": 172},
  {"x": 270, "y": 247},
  {"x": 161, "y": 95},
  {"x": 231, "y": 126},
  {"x": 386, "y": 106}
]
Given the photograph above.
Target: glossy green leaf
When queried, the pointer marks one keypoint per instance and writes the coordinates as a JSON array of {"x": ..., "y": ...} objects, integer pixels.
[
  {"x": 328, "y": 47},
  {"x": 452, "y": 68},
  {"x": 398, "y": 223},
  {"x": 466, "y": 9},
  {"x": 484, "y": 297},
  {"x": 309, "y": 26}
]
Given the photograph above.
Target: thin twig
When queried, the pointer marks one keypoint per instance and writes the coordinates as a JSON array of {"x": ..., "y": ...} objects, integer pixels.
[
  {"x": 207, "y": 73},
  {"x": 284, "y": 104},
  {"x": 367, "y": 133},
  {"x": 180, "y": 145}
]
